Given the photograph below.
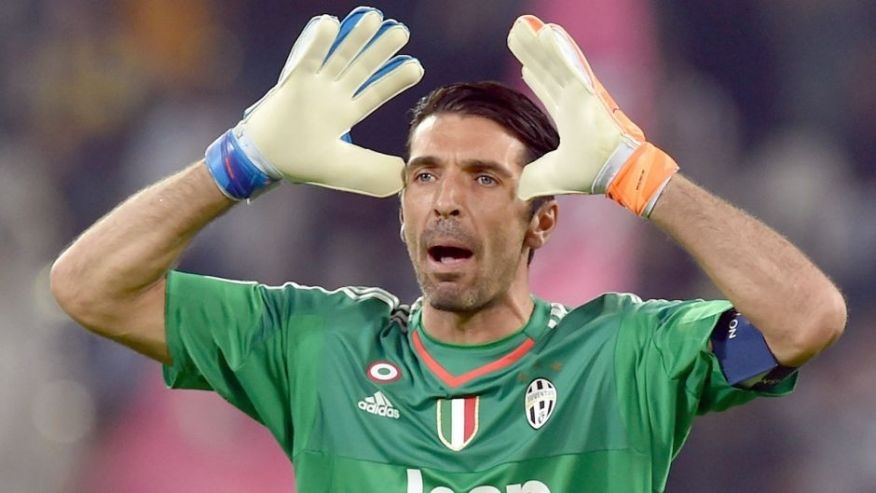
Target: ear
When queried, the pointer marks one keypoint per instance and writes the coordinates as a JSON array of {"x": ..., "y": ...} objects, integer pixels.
[{"x": 542, "y": 224}]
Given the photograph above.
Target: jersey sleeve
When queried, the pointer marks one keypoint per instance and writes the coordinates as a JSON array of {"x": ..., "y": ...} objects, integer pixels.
[
  {"x": 665, "y": 361},
  {"x": 250, "y": 343}
]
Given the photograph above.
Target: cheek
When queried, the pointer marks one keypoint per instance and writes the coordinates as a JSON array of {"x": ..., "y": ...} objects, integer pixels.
[
  {"x": 408, "y": 235},
  {"x": 414, "y": 200},
  {"x": 408, "y": 211},
  {"x": 508, "y": 236}
]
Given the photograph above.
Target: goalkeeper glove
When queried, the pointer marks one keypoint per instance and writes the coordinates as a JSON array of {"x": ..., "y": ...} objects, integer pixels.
[
  {"x": 335, "y": 76},
  {"x": 601, "y": 151}
]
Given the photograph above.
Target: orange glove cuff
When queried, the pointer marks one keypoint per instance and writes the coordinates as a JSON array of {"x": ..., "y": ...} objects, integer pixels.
[{"x": 641, "y": 180}]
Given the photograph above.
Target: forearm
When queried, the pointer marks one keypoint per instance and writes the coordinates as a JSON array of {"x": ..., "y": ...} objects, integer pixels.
[
  {"x": 126, "y": 253},
  {"x": 795, "y": 306}
]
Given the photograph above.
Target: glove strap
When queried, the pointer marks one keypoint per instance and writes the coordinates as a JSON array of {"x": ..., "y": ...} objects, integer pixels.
[
  {"x": 641, "y": 180},
  {"x": 237, "y": 176}
]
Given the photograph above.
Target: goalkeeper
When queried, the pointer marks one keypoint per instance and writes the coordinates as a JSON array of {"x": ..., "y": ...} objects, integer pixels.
[{"x": 478, "y": 386}]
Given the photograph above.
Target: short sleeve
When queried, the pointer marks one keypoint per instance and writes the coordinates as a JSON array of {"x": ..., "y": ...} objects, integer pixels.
[
  {"x": 664, "y": 359},
  {"x": 250, "y": 343},
  {"x": 226, "y": 336},
  {"x": 262, "y": 348}
]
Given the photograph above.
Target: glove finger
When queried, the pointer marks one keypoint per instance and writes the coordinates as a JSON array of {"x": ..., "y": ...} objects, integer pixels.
[
  {"x": 577, "y": 62},
  {"x": 312, "y": 44},
  {"x": 546, "y": 91},
  {"x": 354, "y": 32},
  {"x": 390, "y": 38},
  {"x": 567, "y": 52},
  {"x": 538, "y": 178},
  {"x": 317, "y": 30},
  {"x": 351, "y": 22},
  {"x": 524, "y": 44},
  {"x": 570, "y": 54},
  {"x": 556, "y": 54},
  {"x": 523, "y": 35},
  {"x": 298, "y": 47},
  {"x": 364, "y": 171},
  {"x": 396, "y": 75}
]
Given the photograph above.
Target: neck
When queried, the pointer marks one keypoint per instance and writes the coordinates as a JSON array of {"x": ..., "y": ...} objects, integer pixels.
[{"x": 500, "y": 318}]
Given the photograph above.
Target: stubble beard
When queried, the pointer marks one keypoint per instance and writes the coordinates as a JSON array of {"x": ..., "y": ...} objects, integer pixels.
[
  {"x": 489, "y": 283},
  {"x": 458, "y": 298},
  {"x": 455, "y": 298}
]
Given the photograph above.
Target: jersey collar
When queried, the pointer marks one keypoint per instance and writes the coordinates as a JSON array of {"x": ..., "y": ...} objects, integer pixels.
[{"x": 518, "y": 345}]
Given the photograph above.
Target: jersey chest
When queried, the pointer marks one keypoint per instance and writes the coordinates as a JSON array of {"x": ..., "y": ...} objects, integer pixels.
[{"x": 379, "y": 401}]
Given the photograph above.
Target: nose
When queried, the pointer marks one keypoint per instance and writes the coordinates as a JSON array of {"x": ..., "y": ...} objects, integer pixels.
[{"x": 449, "y": 196}]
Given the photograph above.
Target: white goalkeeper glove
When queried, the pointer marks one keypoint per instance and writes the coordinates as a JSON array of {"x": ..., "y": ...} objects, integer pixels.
[
  {"x": 337, "y": 74},
  {"x": 601, "y": 151}
]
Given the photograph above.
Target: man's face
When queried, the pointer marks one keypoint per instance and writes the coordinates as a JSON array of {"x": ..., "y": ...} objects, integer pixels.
[{"x": 463, "y": 224}]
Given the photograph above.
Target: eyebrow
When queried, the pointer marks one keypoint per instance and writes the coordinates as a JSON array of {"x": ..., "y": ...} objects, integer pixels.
[{"x": 475, "y": 164}]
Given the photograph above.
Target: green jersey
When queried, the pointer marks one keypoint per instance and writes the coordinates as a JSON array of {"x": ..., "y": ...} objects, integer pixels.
[{"x": 594, "y": 399}]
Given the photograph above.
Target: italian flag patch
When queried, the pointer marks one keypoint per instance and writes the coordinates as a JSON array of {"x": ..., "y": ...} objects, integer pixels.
[{"x": 457, "y": 421}]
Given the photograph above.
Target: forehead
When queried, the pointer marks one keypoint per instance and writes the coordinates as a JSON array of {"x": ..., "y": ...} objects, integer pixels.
[{"x": 451, "y": 136}]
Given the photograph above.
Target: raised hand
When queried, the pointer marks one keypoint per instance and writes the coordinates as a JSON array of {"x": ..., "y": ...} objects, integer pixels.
[
  {"x": 337, "y": 74},
  {"x": 601, "y": 151}
]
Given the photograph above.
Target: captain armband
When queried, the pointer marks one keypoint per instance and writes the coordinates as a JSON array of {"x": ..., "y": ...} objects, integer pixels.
[{"x": 743, "y": 354}]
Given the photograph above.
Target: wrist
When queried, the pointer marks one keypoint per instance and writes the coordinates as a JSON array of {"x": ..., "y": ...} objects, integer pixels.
[
  {"x": 235, "y": 167},
  {"x": 639, "y": 183}
]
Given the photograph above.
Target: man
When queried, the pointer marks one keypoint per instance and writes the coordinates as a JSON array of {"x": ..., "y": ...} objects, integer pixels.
[{"x": 479, "y": 386}]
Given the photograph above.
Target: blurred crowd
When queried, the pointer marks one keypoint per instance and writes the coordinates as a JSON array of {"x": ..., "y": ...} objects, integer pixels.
[{"x": 771, "y": 105}]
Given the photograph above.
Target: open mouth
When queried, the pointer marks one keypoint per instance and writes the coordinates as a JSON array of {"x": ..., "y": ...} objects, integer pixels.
[{"x": 449, "y": 254}]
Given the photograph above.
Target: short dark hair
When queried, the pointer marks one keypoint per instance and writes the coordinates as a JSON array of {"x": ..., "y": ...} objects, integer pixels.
[{"x": 495, "y": 101}]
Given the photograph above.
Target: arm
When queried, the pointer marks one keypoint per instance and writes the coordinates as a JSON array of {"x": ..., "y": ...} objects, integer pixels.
[
  {"x": 794, "y": 305},
  {"x": 112, "y": 278}
]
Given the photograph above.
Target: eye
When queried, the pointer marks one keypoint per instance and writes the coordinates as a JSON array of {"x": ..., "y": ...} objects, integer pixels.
[
  {"x": 424, "y": 177},
  {"x": 486, "y": 180}
]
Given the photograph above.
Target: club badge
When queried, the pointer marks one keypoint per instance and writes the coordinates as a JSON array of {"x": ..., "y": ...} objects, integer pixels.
[{"x": 540, "y": 402}]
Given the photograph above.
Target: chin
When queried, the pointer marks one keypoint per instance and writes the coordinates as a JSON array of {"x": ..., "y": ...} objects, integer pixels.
[
  {"x": 453, "y": 300},
  {"x": 449, "y": 305}
]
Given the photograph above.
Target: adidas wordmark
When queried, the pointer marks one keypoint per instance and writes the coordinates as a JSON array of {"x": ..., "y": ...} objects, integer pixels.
[{"x": 378, "y": 404}]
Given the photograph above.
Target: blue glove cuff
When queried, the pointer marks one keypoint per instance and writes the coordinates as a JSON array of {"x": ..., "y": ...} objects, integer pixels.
[{"x": 237, "y": 176}]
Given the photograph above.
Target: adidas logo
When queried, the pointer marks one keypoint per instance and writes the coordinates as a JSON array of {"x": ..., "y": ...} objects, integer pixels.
[{"x": 378, "y": 404}]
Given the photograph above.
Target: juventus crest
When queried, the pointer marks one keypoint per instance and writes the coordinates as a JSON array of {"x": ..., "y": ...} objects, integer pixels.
[{"x": 540, "y": 402}]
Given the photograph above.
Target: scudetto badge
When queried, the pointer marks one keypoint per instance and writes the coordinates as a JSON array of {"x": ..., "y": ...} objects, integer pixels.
[
  {"x": 540, "y": 402},
  {"x": 457, "y": 421}
]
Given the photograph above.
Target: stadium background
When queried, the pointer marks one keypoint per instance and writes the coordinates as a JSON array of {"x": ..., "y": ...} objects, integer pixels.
[{"x": 772, "y": 105}]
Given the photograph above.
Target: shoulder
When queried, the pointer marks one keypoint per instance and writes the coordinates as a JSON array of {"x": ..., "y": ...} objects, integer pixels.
[
  {"x": 607, "y": 305},
  {"x": 352, "y": 296},
  {"x": 289, "y": 300},
  {"x": 631, "y": 307},
  {"x": 346, "y": 301}
]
